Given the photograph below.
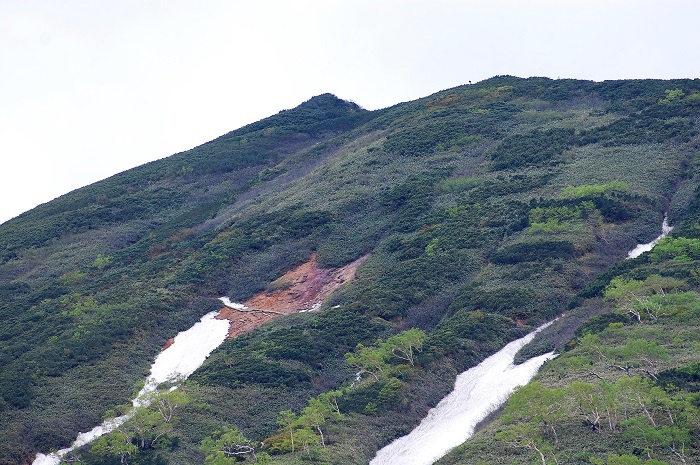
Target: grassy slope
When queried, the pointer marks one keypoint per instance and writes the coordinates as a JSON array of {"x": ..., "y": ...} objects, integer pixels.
[
  {"x": 458, "y": 196},
  {"x": 660, "y": 358}
]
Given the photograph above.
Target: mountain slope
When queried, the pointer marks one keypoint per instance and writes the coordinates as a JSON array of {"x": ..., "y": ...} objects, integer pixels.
[
  {"x": 486, "y": 209},
  {"x": 626, "y": 389}
]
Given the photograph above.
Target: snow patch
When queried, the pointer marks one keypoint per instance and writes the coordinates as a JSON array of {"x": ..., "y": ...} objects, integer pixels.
[
  {"x": 234, "y": 305},
  {"x": 478, "y": 392},
  {"x": 642, "y": 248},
  {"x": 187, "y": 353}
]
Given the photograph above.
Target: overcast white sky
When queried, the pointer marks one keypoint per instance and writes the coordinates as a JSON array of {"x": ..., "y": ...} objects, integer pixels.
[{"x": 89, "y": 88}]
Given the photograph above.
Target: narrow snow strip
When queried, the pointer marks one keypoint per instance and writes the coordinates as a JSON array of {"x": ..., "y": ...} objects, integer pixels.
[
  {"x": 236, "y": 306},
  {"x": 642, "y": 248},
  {"x": 187, "y": 353},
  {"x": 478, "y": 392}
]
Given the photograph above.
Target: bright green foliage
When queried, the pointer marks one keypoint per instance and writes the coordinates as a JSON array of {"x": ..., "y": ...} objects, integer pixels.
[
  {"x": 677, "y": 249},
  {"x": 102, "y": 261},
  {"x": 672, "y": 95},
  {"x": 305, "y": 432},
  {"x": 591, "y": 190},
  {"x": 227, "y": 447},
  {"x": 284, "y": 441},
  {"x": 376, "y": 360},
  {"x": 537, "y": 404},
  {"x": 116, "y": 444},
  {"x": 622, "y": 289},
  {"x": 297, "y": 434},
  {"x": 530, "y": 437},
  {"x": 149, "y": 424},
  {"x": 320, "y": 410},
  {"x": 166, "y": 403},
  {"x": 368, "y": 360},
  {"x": 648, "y": 417},
  {"x": 654, "y": 298},
  {"x": 309, "y": 443},
  {"x": 551, "y": 219},
  {"x": 147, "y": 428},
  {"x": 405, "y": 345}
]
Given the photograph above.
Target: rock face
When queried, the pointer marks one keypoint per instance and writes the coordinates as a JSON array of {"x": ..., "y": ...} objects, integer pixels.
[{"x": 302, "y": 289}]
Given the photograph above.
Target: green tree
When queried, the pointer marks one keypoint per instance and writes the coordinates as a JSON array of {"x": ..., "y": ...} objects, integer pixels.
[
  {"x": 647, "y": 300},
  {"x": 368, "y": 360},
  {"x": 227, "y": 446},
  {"x": 375, "y": 360},
  {"x": 102, "y": 261},
  {"x": 147, "y": 426},
  {"x": 640, "y": 354},
  {"x": 167, "y": 402},
  {"x": 115, "y": 444},
  {"x": 287, "y": 420},
  {"x": 404, "y": 345},
  {"x": 671, "y": 95},
  {"x": 529, "y": 436},
  {"x": 587, "y": 400},
  {"x": 318, "y": 412},
  {"x": 537, "y": 404},
  {"x": 309, "y": 442}
]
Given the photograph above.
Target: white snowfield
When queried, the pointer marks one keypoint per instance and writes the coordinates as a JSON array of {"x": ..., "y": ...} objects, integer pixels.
[
  {"x": 641, "y": 248},
  {"x": 180, "y": 360},
  {"x": 478, "y": 392}
]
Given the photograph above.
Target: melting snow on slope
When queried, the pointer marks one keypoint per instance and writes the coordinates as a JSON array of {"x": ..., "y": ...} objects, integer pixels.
[
  {"x": 180, "y": 360},
  {"x": 236, "y": 306},
  {"x": 478, "y": 392},
  {"x": 641, "y": 248},
  {"x": 188, "y": 352}
]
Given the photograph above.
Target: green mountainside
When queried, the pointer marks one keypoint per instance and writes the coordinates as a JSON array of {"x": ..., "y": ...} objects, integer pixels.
[{"x": 485, "y": 210}]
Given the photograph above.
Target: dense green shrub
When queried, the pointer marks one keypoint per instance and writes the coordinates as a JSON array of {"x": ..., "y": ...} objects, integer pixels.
[
  {"x": 533, "y": 251},
  {"x": 640, "y": 129},
  {"x": 679, "y": 249},
  {"x": 252, "y": 369},
  {"x": 599, "y": 323},
  {"x": 519, "y": 301},
  {"x": 507, "y": 185},
  {"x": 686, "y": 378},
  {"x": 435, "y": 135},
  {"x": 469, "y": 336},
  {"x": 535, "y": 148}
]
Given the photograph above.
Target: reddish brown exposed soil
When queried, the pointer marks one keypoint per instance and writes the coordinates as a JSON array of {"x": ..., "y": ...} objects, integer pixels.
[{"x": 302, "y": 289}]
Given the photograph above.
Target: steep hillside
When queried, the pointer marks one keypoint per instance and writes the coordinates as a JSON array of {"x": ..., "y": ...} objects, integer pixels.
[
  {"x": 483, "y": 210},
  {"x": 627, "y": 388}
]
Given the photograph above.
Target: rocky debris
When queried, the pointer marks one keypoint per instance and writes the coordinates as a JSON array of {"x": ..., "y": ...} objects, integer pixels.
[{"x": 300, "y": 290}]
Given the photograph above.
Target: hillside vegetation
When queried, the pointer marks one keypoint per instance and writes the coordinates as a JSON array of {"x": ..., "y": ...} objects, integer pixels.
[{"x": 485, "y": 210}]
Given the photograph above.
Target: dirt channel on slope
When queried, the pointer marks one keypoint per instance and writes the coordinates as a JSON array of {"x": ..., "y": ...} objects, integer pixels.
[{"x": 302, "y": 289}]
